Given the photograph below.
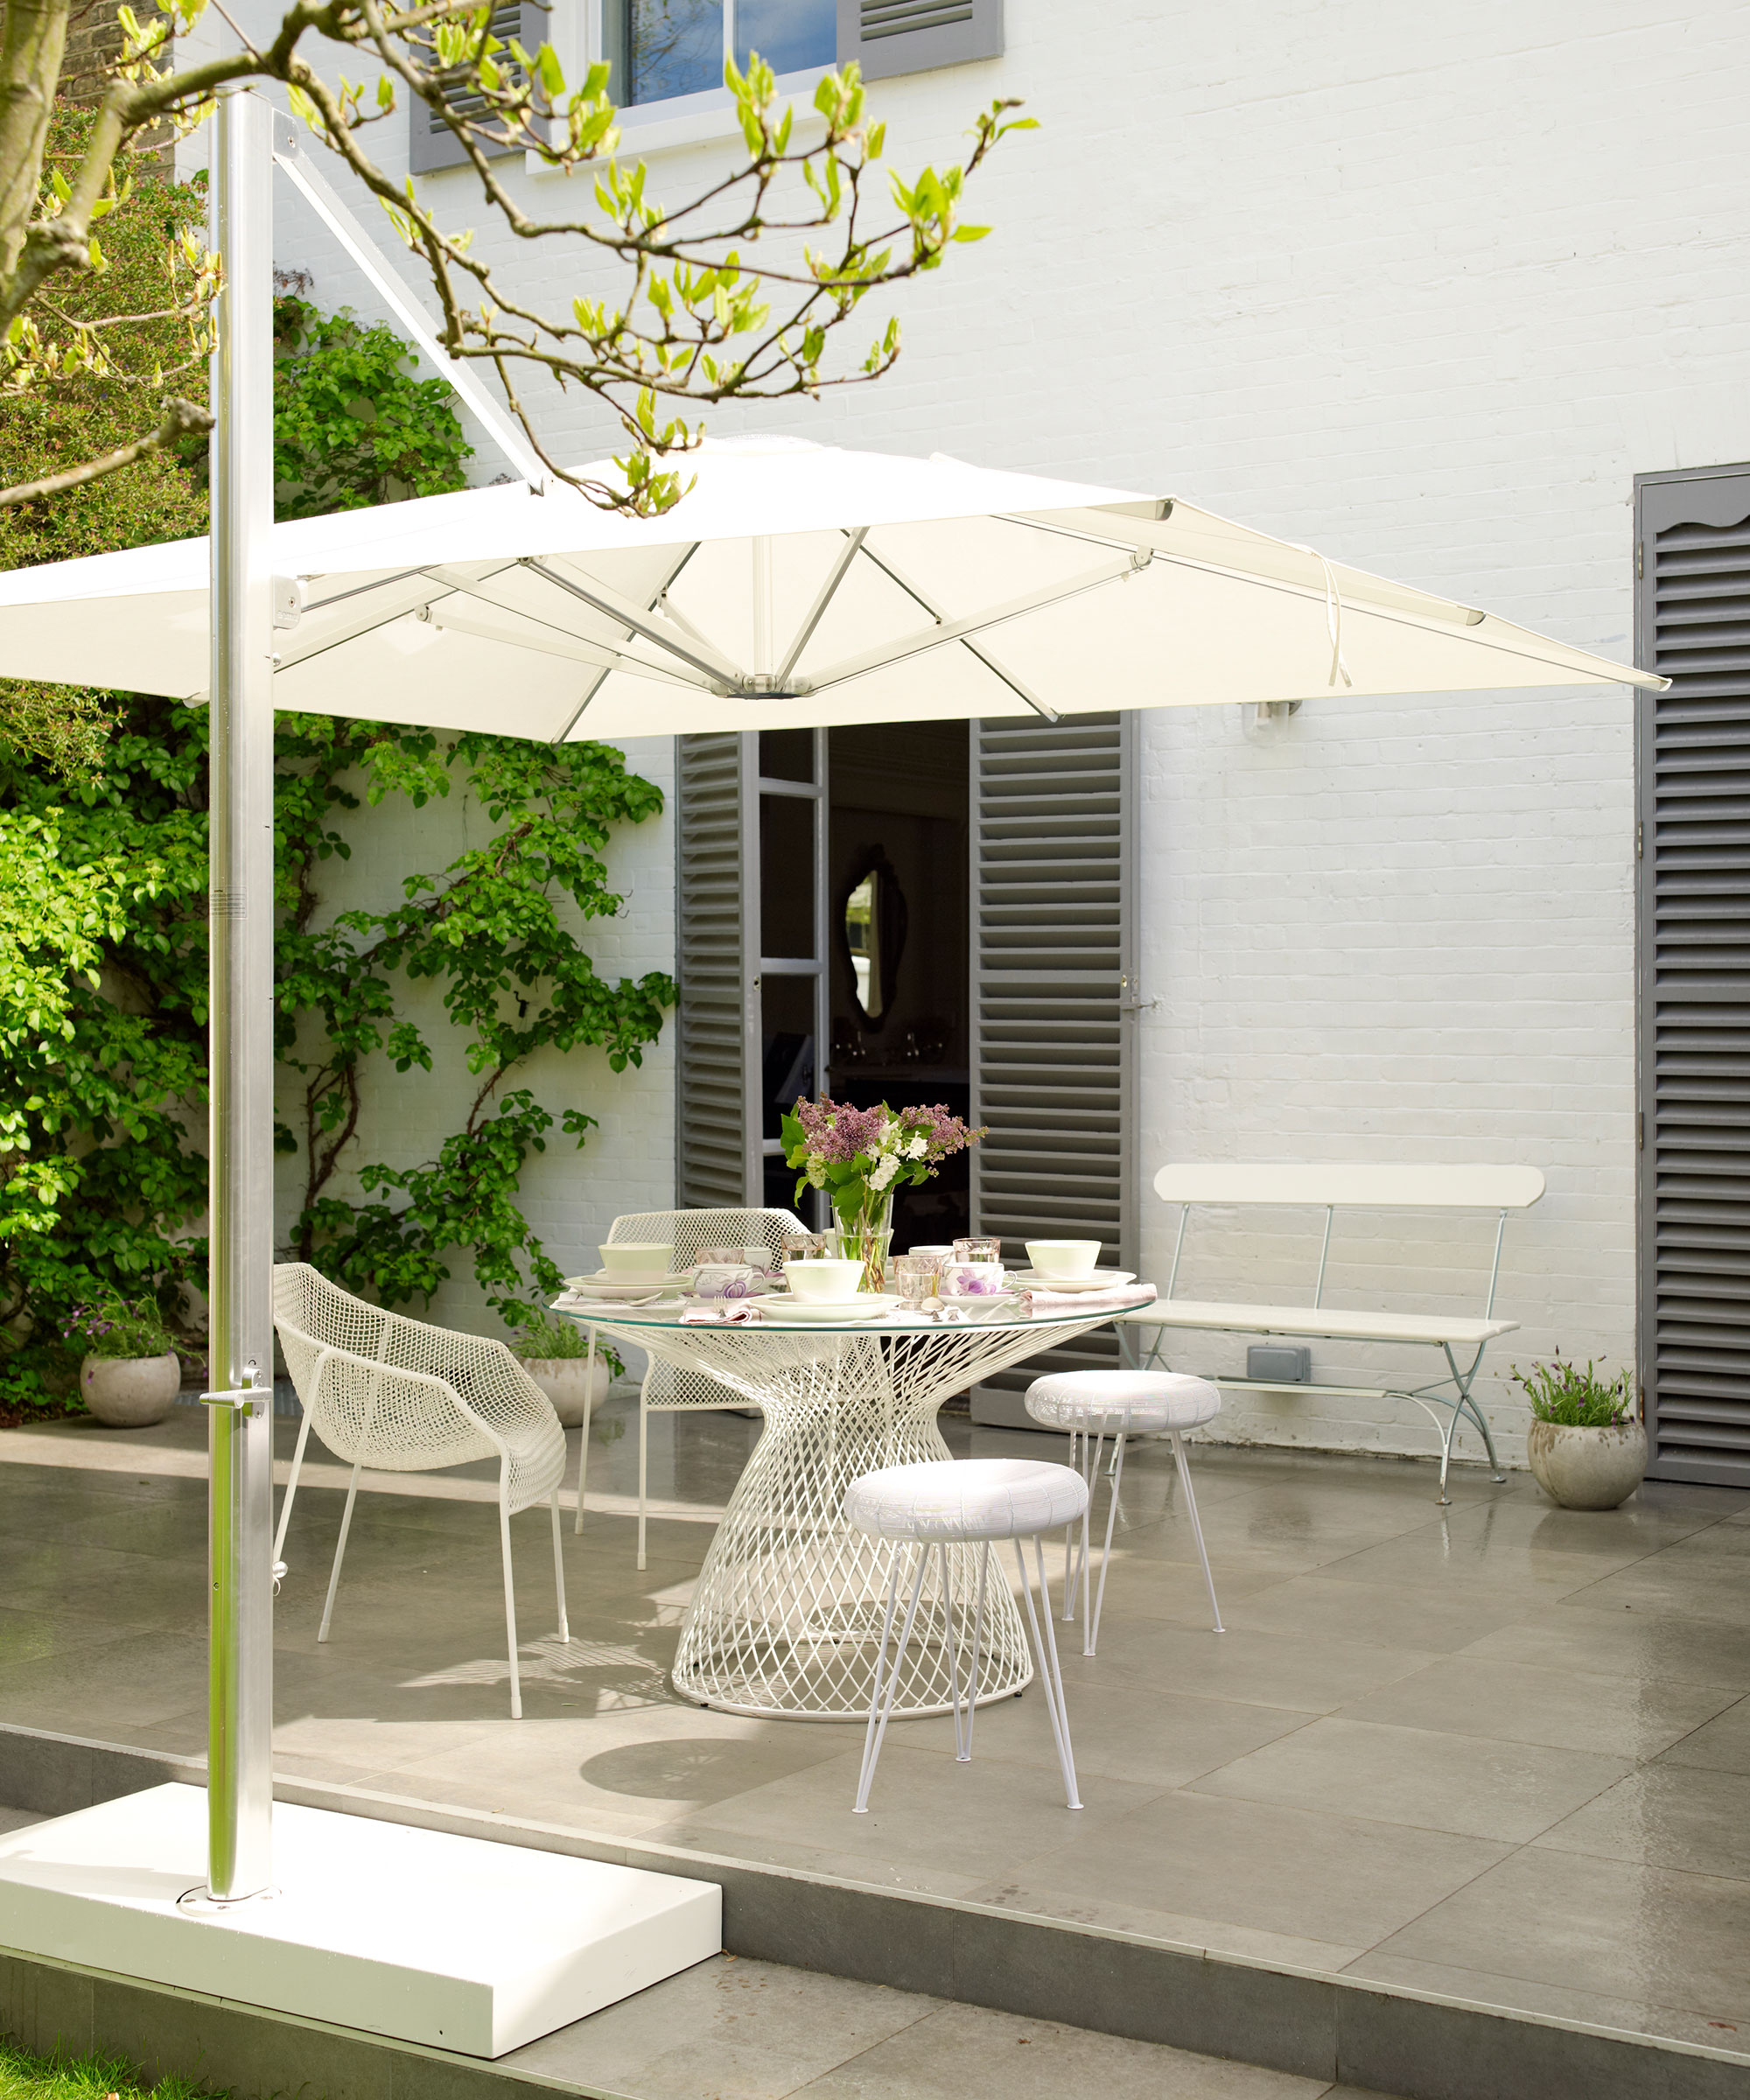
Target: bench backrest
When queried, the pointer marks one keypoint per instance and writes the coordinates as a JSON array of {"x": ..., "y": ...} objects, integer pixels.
[
  {"x": 1332, "y": 1188},
  {"x": 1338, "y": 1187}
]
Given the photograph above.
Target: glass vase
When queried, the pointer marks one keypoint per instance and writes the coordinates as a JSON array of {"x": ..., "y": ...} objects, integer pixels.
[{"x": 864, "y": 1238}]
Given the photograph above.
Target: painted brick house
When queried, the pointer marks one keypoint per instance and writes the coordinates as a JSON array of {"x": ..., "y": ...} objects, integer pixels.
[{"x": 1460, "y": 297}]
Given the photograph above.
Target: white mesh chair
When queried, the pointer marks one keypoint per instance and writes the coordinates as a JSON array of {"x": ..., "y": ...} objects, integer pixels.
[
  {"x": 666, "y": 1390},
  {"x": 1092, "y": 1405},
  {"x": 947, "y": 1502},
  {"x": 394, "y": 1394}
]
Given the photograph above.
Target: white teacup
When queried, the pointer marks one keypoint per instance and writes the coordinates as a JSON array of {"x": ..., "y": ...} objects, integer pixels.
[
  {"x": 823, "y": 1279},
  {"x": 1069, "y": 1258},
  {"x": 638, "y": 1258}
]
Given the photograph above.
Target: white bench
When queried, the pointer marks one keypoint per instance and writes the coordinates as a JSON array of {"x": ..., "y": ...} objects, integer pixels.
[{"x": 1461, "y": 1338}]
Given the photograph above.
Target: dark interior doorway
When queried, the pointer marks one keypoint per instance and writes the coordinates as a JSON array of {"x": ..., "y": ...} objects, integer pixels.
[{"x": 896, "y": 905}]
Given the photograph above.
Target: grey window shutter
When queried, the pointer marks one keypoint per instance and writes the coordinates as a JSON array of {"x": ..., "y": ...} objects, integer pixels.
[
  {"x": 1693, "y": 625},
  {"x": 716, "y": 918},
  {"x": 887, "y": 37},
  {"x": 1053, "y": 1004},
  {"x": 430, "y": 141}
]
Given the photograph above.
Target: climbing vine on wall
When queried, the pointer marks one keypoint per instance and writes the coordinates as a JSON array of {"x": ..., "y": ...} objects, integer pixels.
[{"x": 104, "y": 930}]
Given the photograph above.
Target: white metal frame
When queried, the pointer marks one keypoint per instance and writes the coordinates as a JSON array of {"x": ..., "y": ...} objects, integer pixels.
[
  {"x": 1334, "y": 1187},
  {"x": 425, "y": 1398},
  {"x": 787, "y": 1608},
  {"x": 665, "y": 1389}
]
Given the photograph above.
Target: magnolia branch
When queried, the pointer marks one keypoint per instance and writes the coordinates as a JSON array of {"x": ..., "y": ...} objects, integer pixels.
[{"x": 181, "y": 419}]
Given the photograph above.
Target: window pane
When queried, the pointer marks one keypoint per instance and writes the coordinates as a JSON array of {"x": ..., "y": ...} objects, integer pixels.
[
  {"x": 792, "y": 36},
  {"x": 787, "y": 876},
  {"x": 658, "y": 48},
  {"x": 787, "y": 754}
]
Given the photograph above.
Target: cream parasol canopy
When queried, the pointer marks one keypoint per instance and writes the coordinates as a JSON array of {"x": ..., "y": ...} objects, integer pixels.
[{"x": 794, "y": 585}]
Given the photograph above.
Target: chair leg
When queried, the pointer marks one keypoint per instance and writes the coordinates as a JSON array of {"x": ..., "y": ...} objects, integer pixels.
[
  {"x": 978, "y": 1639},
  {"x": 1090, "y": 1622},
  {"x": 1050, "y": 1670},
  {"x": 878, "y": 1721},
  {"x": 1093, "y": 1479},
  {"x": 559, "y": 1569},
  {"x": 290, "y": 1489},
  {"x": 1179, "y": 1461},
  {"x": 643, "y": 1469},
  {"x": 509, "y": 1609},
  {"x": 1077, "y": 1458},
  {"x": 962, "y": 1755},
  {"x": 583, "y": 1447},
  {"x": 340, "y": 1555}
]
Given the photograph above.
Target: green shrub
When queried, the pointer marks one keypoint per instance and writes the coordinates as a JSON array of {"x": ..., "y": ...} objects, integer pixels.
[{"x": 1564, "y": 1394}]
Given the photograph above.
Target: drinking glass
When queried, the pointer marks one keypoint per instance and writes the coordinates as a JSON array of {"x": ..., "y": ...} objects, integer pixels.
[
  {"x": 914, "y": 1276},
  {"x": 979, "y": 1250}
]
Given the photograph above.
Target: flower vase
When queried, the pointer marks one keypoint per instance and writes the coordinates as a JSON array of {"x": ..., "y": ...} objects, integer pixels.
[{"x": 865, "y": 1238}]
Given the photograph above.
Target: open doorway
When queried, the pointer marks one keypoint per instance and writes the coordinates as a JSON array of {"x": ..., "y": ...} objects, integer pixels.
[{"x": 897, "y": 940}]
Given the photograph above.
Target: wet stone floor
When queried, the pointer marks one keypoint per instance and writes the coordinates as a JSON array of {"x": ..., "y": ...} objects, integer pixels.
[{"x": 1499, "y": 1751}]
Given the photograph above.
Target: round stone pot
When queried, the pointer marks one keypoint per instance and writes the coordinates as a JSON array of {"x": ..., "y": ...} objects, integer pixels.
[
  {"x": 129, "y": 1392},
  {"x": 562, "y": 1378},
  {"x": 1587, "y": 1468}
]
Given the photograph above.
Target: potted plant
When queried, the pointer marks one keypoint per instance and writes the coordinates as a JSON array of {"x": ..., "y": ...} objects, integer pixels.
[
  {"x": 860, "y": 1157},
  {"x": 556, "y": 1353},
  {"x": 1586, "y": 1447},
  {"x": 130, "y": 1374}
]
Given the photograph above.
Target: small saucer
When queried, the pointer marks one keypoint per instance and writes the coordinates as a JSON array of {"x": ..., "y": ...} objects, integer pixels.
[
  {"x": 866, "y": 1304},
  {"x": 1102, "y": 1279}
]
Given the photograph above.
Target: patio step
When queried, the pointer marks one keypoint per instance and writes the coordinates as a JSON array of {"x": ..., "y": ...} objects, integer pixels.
[{"x": 964, "y": 1981}]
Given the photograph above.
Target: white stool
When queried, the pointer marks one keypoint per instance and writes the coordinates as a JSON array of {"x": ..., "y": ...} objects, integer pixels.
[
  {"x": 959, "y": 1503},
  {"x": 1092, "y": 1405}
]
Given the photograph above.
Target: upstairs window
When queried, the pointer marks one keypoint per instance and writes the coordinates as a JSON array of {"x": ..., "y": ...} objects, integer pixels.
[{"x": 663, "y": 49}]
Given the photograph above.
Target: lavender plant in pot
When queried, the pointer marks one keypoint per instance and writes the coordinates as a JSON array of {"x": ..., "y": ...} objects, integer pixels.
[
  {"x": 556, "y": 1353},
  {"x": 130, "y": 1372},
  {"x": 1587, "y": 1446}
]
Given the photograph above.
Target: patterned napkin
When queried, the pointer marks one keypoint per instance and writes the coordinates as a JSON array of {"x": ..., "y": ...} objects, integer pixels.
[
  {"x": 1065, "y": 1304},
  {"x": 722, "y": 1312}
]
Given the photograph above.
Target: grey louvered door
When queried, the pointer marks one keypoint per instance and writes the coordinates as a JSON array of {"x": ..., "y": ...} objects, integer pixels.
[
  {"x": 714, "y": 1132},
  {"x": 1693, "y": 625},
  {"x": 1052, "y": 999}
]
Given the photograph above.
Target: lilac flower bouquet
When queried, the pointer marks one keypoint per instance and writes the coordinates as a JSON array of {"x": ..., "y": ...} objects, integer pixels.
[{"x": 860, "y": 1157}]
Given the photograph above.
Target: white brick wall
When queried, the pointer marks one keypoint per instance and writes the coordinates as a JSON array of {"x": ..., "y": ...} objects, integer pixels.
[{"x": 1425, "y": 289}]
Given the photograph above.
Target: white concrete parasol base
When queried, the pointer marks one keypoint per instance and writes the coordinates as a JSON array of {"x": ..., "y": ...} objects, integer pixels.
[{"x": 453, "y": 1942}]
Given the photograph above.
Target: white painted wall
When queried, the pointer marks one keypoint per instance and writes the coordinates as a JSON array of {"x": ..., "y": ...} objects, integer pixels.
[{"x": 1425, "y": 289}]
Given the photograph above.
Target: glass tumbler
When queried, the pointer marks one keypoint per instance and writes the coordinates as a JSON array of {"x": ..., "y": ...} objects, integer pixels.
[
  {"x": 979, "y": 1250},
  {"x": 914, "y": 1276}
]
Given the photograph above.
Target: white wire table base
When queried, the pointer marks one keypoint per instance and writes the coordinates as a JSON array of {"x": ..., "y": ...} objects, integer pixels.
[{"x": 786, "y": 1620}]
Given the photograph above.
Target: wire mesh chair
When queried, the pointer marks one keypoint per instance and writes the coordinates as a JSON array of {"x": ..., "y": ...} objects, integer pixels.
[
  {"x": 394, "y": 1394},
  {"x": 666, "y": 1390}
]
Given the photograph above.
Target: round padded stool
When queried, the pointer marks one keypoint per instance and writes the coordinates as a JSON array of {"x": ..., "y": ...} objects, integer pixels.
[
  {"x": 1092, "y": 1405},
  {"x": 969, "y": 1501}
]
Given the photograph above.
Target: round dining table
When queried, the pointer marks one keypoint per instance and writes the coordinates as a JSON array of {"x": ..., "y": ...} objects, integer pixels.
[{"x": 786, "y": 1617}]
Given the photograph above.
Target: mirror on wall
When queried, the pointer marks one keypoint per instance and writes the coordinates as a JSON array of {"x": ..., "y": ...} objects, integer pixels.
[{"x": 873, "y": 926}]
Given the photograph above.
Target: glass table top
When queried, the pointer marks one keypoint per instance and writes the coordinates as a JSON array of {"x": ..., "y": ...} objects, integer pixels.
[{"x": 603, "y": 1314}]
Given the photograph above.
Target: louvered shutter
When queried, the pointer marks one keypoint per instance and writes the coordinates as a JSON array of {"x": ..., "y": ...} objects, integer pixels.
[
  {"x": 1053, "y": 1011},
  {"x": 431, "y": 142},
  {"x": 1693, "y": 625},
  {"x": 888, "y": 36},
  {"x": 713, "y": 1131}
]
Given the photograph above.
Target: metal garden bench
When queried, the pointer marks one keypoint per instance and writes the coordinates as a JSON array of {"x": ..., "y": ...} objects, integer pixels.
[{"x": 1448, "y": 1399}]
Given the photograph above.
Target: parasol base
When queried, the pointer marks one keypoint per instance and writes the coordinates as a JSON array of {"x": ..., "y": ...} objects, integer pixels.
[{"x": 415, "y": 1934}]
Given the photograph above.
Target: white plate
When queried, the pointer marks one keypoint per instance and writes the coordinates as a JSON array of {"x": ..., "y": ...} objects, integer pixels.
[
  {"x": 867, "y": 1305},
  {"x": 624, "y": 1286},
  {"x": 1102, "y": 1279}
]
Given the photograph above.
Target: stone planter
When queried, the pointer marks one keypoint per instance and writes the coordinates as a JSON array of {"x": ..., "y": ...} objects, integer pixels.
[
  {"x": 562, "y": 1378},
  {"x": 129, "y": 1392},
  {"x": 1587, "y": 1468}
]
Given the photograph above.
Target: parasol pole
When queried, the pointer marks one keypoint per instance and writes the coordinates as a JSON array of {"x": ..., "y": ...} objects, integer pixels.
[{"x": 240, "y": 1523}]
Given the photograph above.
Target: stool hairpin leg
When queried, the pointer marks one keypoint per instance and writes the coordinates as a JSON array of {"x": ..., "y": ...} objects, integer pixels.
[{"x": 879, "y": 1706}]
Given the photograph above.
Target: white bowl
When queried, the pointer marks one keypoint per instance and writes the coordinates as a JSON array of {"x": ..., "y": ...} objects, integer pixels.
[
  {"x": 638, "y": 1258},
  {"x": 824, "y": 1279},
  {"x": 1063, "y": 1257}
]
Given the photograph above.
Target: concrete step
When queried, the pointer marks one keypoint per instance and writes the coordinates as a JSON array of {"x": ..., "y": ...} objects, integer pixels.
[{"x": 924, "y": 1976}]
